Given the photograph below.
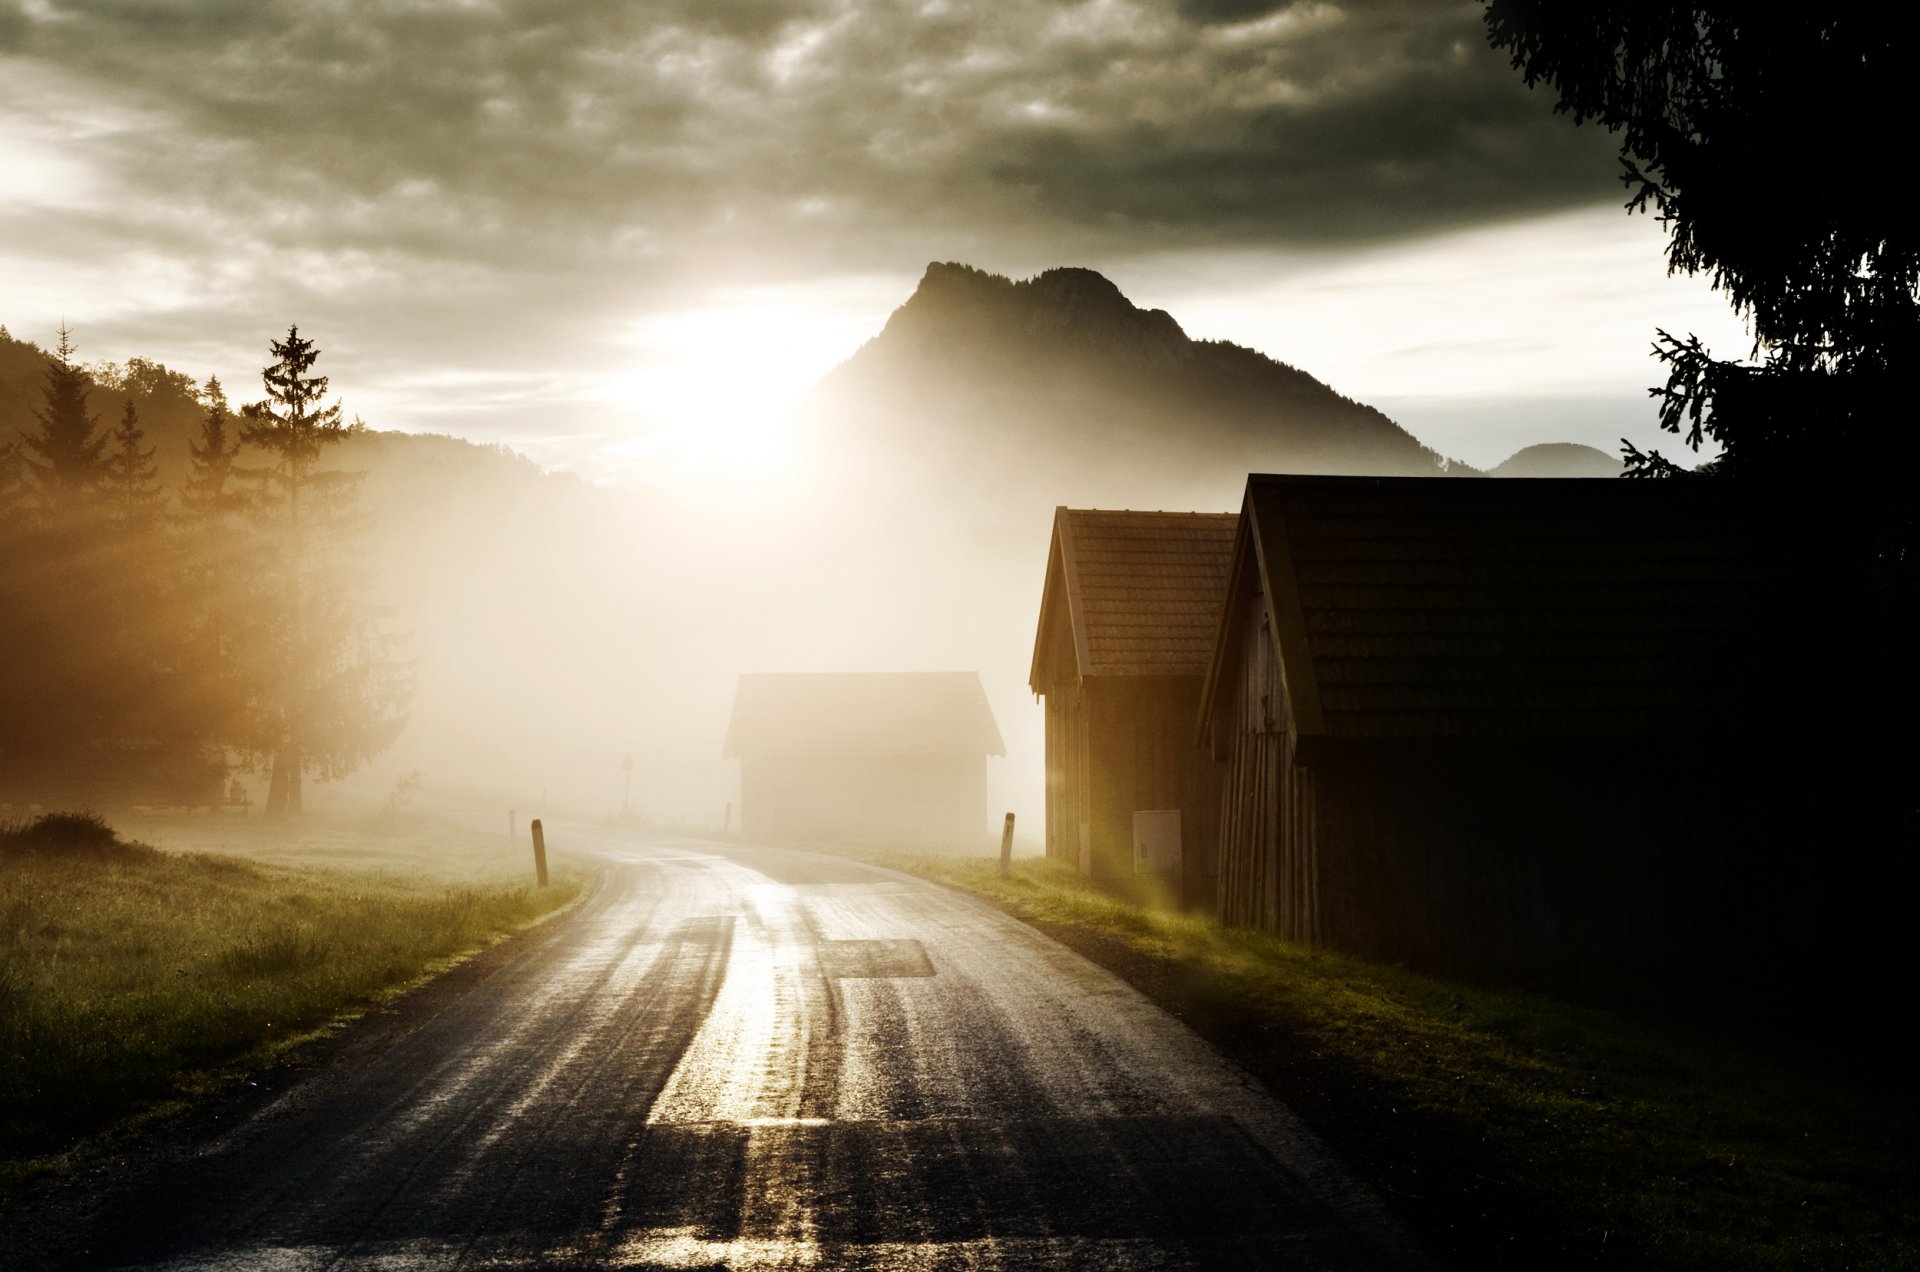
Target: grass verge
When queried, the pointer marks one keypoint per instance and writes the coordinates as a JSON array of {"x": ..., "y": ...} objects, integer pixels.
[
  {"x": 132, "y": 979},
  {"x": 1513, "y": 1129}
]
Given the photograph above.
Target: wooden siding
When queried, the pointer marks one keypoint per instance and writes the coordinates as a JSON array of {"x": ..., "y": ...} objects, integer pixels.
[
  {"x": 1143, "y": 757},
  {"x": 1121, "y": 745},
  {"x": 1553, "y": 861},
  {"x": 1561, "y": 862},
  {"x": 1521, "y": 732},
  {"x": 1268, "y": 863},
  {"x": 1127, "y": 615},
  {"x": 1068, "y": 778}
]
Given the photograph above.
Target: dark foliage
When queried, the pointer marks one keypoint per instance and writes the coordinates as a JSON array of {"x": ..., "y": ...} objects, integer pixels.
[
  {"x": 70, "y": 836},
  {"x": 209, "y": 488},
  {"x": 64, "y": 455},
  {"x": 1759, "y": 136},
  {"x": 1763, "y": 139},
  {"x": 147, "y": 647},
  {"x": 97, "y": 708},
  {"x": 130, "y": 469}
]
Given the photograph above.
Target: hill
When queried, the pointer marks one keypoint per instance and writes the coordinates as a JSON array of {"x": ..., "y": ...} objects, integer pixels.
[{"x": 1558, "y": 459}]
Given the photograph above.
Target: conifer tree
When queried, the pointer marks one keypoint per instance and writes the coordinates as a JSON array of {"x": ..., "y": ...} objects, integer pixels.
[
  {"x": 64, "y": 455},
  {"x": 331, "y": 693},
  {"x": 210, "y": 470},
  {"x": 130, "y": 470},
  {"x": 1763, "y": 138}
]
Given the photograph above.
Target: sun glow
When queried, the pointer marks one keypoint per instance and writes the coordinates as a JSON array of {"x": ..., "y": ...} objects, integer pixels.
[{"x": 709, "y": 390}]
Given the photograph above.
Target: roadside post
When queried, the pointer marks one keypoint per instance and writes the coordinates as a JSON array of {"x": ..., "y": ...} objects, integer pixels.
[
  {"x": 1006, "y": 848},
  {"x": 539, "y": 853}
]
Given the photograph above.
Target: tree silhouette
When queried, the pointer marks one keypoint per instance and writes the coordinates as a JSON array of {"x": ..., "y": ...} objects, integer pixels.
[
  {"x": 332, "y": 692},
  {"x": 98, "y": 681},
  {"x": 1768, "y": 141},
  {"x": 130, "y": 470},
  {"x": 210, "y": 470},
  {"x": 64, "y": 455},
  {"x": 1756, "y": 135}
]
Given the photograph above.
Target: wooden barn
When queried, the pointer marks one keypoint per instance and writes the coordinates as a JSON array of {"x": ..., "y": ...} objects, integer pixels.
[
  {"x": 1127, "y": 620},
  {"x": 864, "y": 756},
  {"x": 1516, "y": 726}
]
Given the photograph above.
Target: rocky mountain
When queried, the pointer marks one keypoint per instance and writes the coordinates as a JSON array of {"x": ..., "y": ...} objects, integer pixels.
[
  {"x": 1062, "y": 379},
  {"x": 1557, "y": 459}
]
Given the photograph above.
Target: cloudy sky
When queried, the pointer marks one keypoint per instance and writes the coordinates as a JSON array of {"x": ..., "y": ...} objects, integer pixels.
[{"x": 620, "y": 236}]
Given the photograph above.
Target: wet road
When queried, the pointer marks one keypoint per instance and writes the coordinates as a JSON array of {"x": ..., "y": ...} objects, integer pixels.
[{"x": 759, "y": 1058}]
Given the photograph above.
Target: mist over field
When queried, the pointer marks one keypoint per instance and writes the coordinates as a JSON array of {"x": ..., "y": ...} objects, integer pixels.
[
  {"x": 552, "y": 626},
  {"x": 619, "y": 243}
]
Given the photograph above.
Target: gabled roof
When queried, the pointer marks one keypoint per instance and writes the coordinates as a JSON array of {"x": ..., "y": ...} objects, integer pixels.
[
  {"x": 862, "y": 713},
  {"x": 1408, "y": 607},
  {"x": 1138, "y": 592}
]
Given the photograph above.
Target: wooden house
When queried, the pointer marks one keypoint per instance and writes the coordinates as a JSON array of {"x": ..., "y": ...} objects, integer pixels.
[
  {"x": 864, "y": 756},
  {"x": 1127, "y": 620},
  {"x": 1521, "y": 726}
]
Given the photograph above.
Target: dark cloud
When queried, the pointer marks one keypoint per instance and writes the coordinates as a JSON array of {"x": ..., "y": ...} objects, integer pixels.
[
  {"x": 1427, "y": 149},
  {"x": 528, "y": 132},
  {"x": 1229, "y": 10}
]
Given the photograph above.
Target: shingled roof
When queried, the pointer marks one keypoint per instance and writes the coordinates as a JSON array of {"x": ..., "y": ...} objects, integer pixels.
[
  {"x": 1409, "y": 607},
  {"x": 1139, "y": 591},
  {"x": 862, "y": 713}
]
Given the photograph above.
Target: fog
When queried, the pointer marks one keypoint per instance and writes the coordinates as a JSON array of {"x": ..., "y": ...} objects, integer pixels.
[
  {"x": 553, "y": 624},
  {"x": 904, "y": 527},
  {"x": 559, "y": 627}
]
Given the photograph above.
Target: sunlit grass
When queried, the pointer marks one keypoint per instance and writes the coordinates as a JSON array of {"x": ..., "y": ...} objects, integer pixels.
[
  {"x": 131, "y": 978},
  {"x": 1510, "y": 1127}
]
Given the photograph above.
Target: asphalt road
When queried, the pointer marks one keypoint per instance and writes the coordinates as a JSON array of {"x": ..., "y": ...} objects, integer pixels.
[{"x": 749, "y": 1057}]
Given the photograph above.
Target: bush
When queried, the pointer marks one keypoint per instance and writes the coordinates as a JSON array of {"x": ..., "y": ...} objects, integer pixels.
[{"x": 69, "y": 836}]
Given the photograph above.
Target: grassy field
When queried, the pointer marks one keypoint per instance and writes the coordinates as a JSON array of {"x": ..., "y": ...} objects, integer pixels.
[
  {"x": 1516, "y": 1130},
  {"x": 132, "y": 978}
]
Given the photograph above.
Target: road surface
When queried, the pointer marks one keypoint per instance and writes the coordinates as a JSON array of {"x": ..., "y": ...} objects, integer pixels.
[{"x": 746, "y": 1057}]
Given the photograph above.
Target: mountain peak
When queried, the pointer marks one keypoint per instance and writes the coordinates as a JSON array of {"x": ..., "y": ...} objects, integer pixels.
[
  {"x": 1065, "y": 306},
  {"x": 1074, "y": 283},
  {"x": 1060, "y": 374}
]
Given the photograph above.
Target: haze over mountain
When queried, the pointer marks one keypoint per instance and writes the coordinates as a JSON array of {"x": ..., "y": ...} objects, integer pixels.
[
  {"x": 1558, "y": 459},
  {"x": 936, "y": 454},
  {"x": 909, "y": 532},
  {"x": 1064, "y": 382}
]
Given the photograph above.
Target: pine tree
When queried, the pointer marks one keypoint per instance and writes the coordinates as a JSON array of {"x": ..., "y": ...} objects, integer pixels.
[
  {"x": 332, "y": 691},
  {"x": 1714, "y": 102},
  {"x": 130, "y": 470},
  {"x": 210, "y": 467},
  {"x": 69, "y": 459}
]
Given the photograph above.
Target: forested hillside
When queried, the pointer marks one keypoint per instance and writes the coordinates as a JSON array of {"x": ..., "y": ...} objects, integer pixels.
[{"x": 145, "y": 596}]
